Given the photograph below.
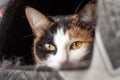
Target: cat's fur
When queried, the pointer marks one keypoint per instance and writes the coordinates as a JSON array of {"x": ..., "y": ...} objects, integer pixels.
[{"x": 62, "y": 32}]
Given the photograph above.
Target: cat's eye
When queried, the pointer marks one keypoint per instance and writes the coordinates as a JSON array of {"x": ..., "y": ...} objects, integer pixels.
[
  {"x": 50, "y": 47},
  {"x": 76, "y": 45}
]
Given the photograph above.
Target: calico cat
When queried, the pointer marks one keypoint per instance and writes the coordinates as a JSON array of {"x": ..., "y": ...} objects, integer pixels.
[{"x": 62, "y": 39}]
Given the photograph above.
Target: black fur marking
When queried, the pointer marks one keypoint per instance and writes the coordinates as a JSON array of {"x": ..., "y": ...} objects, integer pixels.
[{"x": 46, "y": 38}]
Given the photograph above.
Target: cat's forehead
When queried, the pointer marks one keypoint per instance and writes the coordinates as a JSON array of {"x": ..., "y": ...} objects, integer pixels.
[
  {"x": 68, "y": 24},
  {"x": 73, "y": 31},
  {"x": 65, "y": 22},
  {"x": 66, "y": 19}
]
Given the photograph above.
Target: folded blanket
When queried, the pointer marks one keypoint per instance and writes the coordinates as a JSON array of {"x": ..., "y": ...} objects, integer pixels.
[{"x": 27, "y": 73}]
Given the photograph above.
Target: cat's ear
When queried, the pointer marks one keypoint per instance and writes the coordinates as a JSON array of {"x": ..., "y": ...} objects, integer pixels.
[
  {"x": 37, "y": 20},
  {"x": 88, "y": 13}
]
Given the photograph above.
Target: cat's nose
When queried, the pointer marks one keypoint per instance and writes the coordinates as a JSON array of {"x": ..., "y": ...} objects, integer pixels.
[
  {"x": 61, "y": 62},
  {"x": 60, "y": 59},
  {"x": 64, "y": 59}
]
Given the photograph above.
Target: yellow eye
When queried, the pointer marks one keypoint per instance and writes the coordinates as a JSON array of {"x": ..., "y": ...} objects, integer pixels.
[
  {"x": 76, "y": 45},
  {"x": 50, "y": 47}
]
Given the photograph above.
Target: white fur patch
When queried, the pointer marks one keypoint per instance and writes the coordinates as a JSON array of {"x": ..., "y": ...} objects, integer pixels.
[{"x": 64, "y": 54}]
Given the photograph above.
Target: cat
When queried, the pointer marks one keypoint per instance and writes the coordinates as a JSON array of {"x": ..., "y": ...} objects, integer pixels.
[{"x": 59, "y": 40}]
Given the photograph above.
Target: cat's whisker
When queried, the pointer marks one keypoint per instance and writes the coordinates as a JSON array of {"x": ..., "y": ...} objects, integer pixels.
[
  {"x": 28, "y": 35},
  {"x": 78, "y": 7}
]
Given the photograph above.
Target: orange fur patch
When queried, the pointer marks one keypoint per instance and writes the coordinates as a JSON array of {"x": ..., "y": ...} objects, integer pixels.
[
  {"x": 37, "y": 60},
  {"x": 78, "y": 34}
]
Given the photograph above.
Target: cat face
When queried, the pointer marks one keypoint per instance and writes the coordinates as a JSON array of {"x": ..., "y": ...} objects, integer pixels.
[{"x": 62, "y": 39}]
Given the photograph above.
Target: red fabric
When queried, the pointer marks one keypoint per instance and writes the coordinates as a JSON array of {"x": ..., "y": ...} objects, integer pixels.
[{"x": 2, "y": 11}]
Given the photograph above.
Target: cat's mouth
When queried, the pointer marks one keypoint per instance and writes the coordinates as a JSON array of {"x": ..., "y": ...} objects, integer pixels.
[
  {"x": 80, "y": 65},
  {"x": 71, "y": 65},
  {"x": 76, "y": 65}
]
